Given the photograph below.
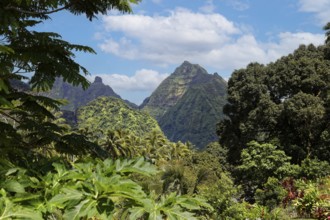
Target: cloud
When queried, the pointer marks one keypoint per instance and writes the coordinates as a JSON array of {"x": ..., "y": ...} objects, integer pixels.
[
  {"x": 321, "y": 9},
  {"x": 290, "y": 41},
  {"x": 167, "y": 39},
  {"x": 209, "y": 39},
  {"x": 143, "y": 80}
]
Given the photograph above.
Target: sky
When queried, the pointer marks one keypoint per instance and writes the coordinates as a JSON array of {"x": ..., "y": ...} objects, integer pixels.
[{"x": 135, "y": 52}]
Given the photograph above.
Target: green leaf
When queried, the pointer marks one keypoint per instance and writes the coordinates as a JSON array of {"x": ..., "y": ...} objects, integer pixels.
[
  {"x": 136, "y": 166},
  {"x": 136, "y": 213},
  {"x": 5, "y": 102},
  {"x": 11, "y": 171},
  {"x": 176, "y": 213},
  {"x": 9, "y": 210},
  {"x": 13, "y": 186},
  {"x": 6, "y": 50},
  {"x": 75, "y": 213},
  {"x": 69, "y": 196}
]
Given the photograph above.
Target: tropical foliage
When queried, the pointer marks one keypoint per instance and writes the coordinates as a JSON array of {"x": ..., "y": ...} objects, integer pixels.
[
  {"x": 109, "y": 113},
  {"x": 24, "y": 117},
  {"x": 272, "y": 161},
  {"x": 285, "y": 103}
]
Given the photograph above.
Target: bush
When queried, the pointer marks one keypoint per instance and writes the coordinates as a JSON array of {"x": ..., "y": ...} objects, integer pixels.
[
  {"x": 272, "y": 193},
  {"x": 314, "y": 199},
  {"x": 259, "y": 162},
  {"x": 314, "y": 168}
]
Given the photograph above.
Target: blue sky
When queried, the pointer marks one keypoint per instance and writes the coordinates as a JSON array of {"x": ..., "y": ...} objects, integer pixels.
[{"x": 135, "y": 52}]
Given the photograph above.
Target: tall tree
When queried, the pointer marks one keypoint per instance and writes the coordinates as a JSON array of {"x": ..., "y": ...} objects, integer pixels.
[
  {"x": 327, "y": 41},
  {"x": 285, "y": 103},
  {"x": 44, "y": 55}
]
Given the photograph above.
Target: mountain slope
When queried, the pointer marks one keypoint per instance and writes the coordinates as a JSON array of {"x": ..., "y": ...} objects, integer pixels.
[
  {"x": 109, "y": 113},
  {"x": 188, "y": 104},
  {"x": 77, "y": 97},
  {"x": 171, "y": 90}
]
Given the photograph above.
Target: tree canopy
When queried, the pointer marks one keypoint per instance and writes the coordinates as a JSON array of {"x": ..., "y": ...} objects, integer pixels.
[
  {"x": 26, "y": 119},
  {"x": 285, "y": 103}
]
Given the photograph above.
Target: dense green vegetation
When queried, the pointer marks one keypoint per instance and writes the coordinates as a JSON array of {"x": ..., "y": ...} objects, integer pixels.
[
  {"x": 188, "y": 104},
  {"x": 285, "y": 103},
  {"x": 108, "y": 113},
  {"x": 195, "y": 116},
  {"x": 272, "y": 161}
]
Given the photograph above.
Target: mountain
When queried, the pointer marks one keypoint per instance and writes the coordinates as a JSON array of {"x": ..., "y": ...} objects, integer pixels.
[
  {"x": 188, "y": 104},
  {"x": 77, "y": 97},
  {"x": 109, "y": 113},
  {"x": 171, "y": 90},
  {"x": 19, "y": 85}
]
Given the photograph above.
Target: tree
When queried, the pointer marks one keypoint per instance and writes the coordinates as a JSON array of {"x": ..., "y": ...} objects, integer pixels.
[
  {"x": 327, "y": 41},
  {"x": 44, "y": 55},
  {"x": 259, "y": 162},
  {"x": 245, "y": 90},
  {"x": 285, "y": 103}
]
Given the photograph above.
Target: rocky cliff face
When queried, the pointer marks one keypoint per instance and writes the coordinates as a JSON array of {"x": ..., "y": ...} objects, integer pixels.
[{"x": 188, "y": 104}]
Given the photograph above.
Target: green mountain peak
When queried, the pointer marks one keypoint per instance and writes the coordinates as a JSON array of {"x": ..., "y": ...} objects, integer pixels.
[
  {"x": 188, "y": 104},
  {"x": 173, "y": 88}
]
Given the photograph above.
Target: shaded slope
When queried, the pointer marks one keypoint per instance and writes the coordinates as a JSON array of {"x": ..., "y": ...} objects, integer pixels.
[
  {"x": 195, "y": 116},
  {"x": 77, "y": 97},
  {"x": 188, "y": 104}
]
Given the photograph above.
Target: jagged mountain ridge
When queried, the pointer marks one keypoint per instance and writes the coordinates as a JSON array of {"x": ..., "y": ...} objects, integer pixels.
[
  {"x": 77, "y": 97},
  {"x": 188, "y": 104}
]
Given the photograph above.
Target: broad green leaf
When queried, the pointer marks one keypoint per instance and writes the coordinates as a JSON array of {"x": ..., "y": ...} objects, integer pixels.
[
  {"x": 13, "y": 186},
  {"x": 5, "y": 102},
  {"x": 3, "y": 86},
  {"x": 67, "y": 198},
  {"x": 11, "y": 171},
  {"x": 9, "y": 210},
  {"x": 193, "y": 203},
  {"x": 136, "y": 213},
  {"x": 90, "y": 209},
  {"x": 155, "y": 215},
  {"x": 177, "y": 213},
  {"x": 138, "y": 166},
  {"x": 25, "y": 197},
  {"x": 6, "y": 50},
  {"x": 75, "y": 213}
]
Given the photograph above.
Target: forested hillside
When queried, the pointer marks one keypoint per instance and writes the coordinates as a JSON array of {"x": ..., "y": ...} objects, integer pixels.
[
  {"x": 271, "y": 160},
  {"x": 109, "y": 113}
]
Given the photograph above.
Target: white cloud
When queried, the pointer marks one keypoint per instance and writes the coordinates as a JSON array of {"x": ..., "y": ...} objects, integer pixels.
[
  {"x": 290, "y": 41},
  {"x": 207, "y": 39},
  {"x": 321, "y": 9},
  {"x": 142, "y": 80}
]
